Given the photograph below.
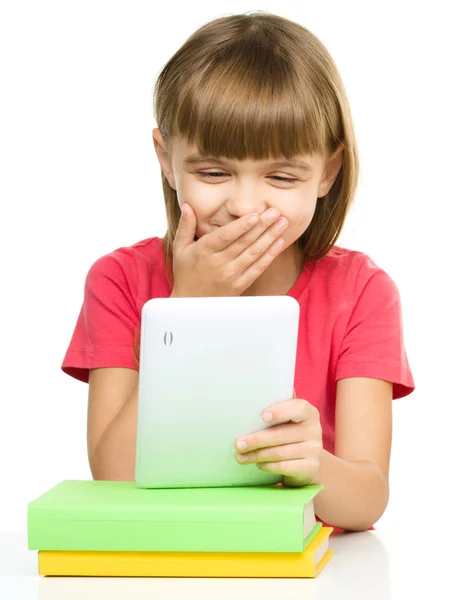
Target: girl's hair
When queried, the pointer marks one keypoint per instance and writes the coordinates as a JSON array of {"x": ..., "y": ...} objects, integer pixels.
[{"x": 259, "y": 86}]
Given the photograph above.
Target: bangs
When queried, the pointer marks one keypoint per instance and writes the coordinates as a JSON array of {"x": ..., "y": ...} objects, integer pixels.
[{"x": 252, "y": 105}]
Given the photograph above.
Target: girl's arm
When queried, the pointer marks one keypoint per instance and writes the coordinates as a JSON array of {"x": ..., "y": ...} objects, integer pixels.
[
  {"x": 112, "y": 415},
  {"x": 356, "y": 478}
]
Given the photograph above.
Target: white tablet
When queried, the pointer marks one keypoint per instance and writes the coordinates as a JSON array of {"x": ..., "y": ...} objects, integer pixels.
[{"x": 208, "y": 369}]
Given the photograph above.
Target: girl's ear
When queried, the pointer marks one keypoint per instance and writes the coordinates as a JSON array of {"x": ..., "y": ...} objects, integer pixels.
[
  {"x": 331, "y": 172},
  {"x": 163, "y": 157}
]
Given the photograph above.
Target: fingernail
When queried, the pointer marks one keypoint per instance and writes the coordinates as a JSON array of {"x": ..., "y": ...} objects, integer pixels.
[
  {"x": 241, "y": 445},
  {"x": 267, "y": 416},
  {"x": 242, "y": 457},
  {"x": 272, "y": 214}
]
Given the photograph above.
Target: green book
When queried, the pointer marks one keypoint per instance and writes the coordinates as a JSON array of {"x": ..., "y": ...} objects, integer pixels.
[{"x": 119, "y": 516}]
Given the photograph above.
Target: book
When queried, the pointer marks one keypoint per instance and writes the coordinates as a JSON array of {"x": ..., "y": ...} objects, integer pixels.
[
  {"x": 119, "y": 516},
  {"x": 184, "y": 564}
]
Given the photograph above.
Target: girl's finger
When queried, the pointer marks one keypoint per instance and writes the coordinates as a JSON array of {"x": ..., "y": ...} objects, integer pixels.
[
  {"x": 224, "y": 236},
  {"x": 257, "y": 239},
  {"x": 274, "y": 436},
  {"x": 304, "y": 469},
  {"x": 299, "y": 450},
  {"x": 295, "y": 410},
  {"x": 186, "y": 229}
]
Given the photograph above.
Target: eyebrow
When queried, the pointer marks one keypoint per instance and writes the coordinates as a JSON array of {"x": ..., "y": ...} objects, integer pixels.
[{"x": 197, "y": 158}]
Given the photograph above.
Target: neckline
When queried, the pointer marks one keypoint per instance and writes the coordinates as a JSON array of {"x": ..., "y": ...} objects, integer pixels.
[{"x": 300, "y": 285}]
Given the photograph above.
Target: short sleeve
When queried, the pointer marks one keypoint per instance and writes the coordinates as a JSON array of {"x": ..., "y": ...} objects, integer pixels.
[
  {"x": 373, "y": 343},
  {"x": 108, "y": 322}
]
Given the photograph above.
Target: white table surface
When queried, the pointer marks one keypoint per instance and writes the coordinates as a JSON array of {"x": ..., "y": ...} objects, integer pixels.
[{"x": 365, "y": 566}]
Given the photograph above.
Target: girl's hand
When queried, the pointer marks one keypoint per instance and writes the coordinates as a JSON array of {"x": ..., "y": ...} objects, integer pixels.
[
  {"x": 226, "y": 261},
  {"x": 290, "y": 449}
]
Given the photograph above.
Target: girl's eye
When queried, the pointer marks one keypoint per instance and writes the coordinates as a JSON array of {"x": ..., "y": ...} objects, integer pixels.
[{"x": 217, "y": 174}]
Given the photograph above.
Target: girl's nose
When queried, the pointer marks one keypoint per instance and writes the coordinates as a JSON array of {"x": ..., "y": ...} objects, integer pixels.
[{"x": 244, "y": 203}]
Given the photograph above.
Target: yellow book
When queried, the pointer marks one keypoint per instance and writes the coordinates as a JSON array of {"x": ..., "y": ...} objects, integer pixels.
[{"x": 190, "y": 564}]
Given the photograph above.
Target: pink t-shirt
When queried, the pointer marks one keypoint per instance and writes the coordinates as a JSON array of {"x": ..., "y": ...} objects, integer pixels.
[{"x": 350, "y": 322}]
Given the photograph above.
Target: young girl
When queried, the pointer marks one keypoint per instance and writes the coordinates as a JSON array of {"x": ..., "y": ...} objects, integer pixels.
[{"x": 256, "y": 144}]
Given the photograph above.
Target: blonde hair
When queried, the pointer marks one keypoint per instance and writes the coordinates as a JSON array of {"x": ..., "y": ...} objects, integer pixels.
[{"x": 259, "y": 86}]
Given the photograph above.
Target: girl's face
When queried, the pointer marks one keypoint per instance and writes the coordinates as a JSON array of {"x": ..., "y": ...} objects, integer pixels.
[{"x": 222, "y": 191}]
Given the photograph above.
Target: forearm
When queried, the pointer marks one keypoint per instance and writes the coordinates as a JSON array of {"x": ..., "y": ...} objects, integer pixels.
[
  {"x": 355, "y": 494},
  {"x": 114, "y": 457}
]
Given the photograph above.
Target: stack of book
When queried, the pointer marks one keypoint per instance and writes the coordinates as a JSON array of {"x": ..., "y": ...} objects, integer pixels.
[{"x": 114, "y": 528}]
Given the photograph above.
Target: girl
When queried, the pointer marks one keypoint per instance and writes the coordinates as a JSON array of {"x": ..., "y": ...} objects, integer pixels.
[{"x": 255, "y": 141}]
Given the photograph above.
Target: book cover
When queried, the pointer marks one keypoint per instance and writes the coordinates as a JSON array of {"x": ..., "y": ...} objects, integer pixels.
[
  {"x": 119, "y": 516},
  {"x": 198, "y": 564}
]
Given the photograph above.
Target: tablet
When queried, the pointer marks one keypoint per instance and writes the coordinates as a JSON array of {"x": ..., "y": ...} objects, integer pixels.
[{"x": 209, "y": 366}]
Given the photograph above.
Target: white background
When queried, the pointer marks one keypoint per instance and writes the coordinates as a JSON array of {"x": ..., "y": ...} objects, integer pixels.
[{"x": 79, "y": 177}]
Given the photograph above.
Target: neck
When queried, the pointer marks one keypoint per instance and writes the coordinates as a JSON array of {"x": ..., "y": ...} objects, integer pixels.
[{"x": 280, "y": 276}]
